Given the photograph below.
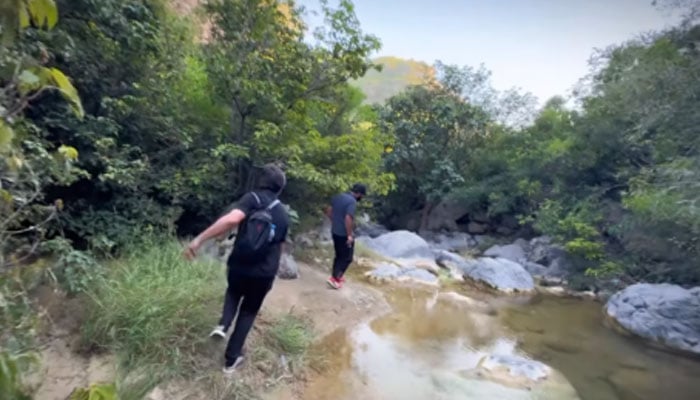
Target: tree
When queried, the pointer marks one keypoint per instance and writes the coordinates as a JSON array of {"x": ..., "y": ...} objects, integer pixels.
[
  {"x": 27, "y": 164},
  {"x": 433, "y": 131},
  {"x": 273, "y": 79}
]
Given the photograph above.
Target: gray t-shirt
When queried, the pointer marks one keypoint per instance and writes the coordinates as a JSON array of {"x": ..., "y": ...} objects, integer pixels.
[{"x": 342, "y": 204}]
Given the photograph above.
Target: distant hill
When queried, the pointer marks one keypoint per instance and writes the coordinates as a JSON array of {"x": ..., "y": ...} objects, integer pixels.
[{"x": 397, "y": 74}]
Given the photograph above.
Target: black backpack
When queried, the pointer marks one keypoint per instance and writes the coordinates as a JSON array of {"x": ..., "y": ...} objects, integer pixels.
[{"x": 253, "y": 243}]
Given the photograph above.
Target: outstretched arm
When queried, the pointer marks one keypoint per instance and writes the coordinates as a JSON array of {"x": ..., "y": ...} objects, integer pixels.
[{"x": 218, "y": 228}]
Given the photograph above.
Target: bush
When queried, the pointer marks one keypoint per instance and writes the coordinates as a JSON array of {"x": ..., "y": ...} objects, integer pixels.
[{"x": 153, "y": 306}]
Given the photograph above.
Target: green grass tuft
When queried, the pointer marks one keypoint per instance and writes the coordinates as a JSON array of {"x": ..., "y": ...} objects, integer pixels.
[
  {"x": 154, "y": 308},
  {"x": 291, "y": 335}
]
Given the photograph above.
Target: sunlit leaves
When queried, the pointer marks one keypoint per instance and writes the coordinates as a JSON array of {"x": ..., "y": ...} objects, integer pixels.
[
  {"x": 43, "y": 13},
  {"x": 6, "y": 135},
  {"x": 68, "y": 152},
  {"x": 95, "y": 392},
  {"x": 67, "y": 89}
]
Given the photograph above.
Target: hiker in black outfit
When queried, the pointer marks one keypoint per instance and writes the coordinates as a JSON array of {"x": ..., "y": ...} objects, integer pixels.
[
  {"x": 252, "y": 266},
  {"x": 342, "y": 215}
]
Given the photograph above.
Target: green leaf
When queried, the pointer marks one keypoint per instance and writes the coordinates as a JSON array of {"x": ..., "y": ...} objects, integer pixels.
[
  {"x": 6, "y": 135},
  {"x": 68, "y": 91},
  {"x": 44, "y": 13}
]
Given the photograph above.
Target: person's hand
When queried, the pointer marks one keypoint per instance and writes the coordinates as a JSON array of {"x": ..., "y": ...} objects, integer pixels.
[
  {"x": 351, "y": 240},
  {"x": 191, "y": 249}
]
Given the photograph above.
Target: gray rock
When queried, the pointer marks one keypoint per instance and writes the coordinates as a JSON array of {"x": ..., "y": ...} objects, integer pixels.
[
  {"x": 664, "y": 313},
  {"x": 519, "y": 368},
  {"x": 456, "y": 241},
  {"x": 366, "y": 227},
  {"x": 543, "y": 251},
  {"x": 477, "y": 228},
  {"x": 513, "y": 252},
  {"x": 448, "y": 260},
  {"x": 289, "y": 269},
  {"x": 445, "y": 215},
  {"x": 417, "y": 274},
  {"x": 386, "y": 271},
  {"x": 535, "y": 269},
  {"x": 501, "y": 274},
  {"x": 558, "y": 268},
  {"x": 399, "y": 244}
]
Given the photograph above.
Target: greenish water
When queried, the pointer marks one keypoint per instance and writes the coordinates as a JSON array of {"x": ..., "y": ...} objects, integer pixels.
[
  {"x": 570, "y": 335},
  {"x": 426, "y": 346}
]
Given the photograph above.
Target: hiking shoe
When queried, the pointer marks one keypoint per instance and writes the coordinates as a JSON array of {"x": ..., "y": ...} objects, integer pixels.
[
  {"x": 341, "y": 279},
  {"x": 229, "y": 369},
  {"x": 219, "y": 332},
  {"x": 334, "y": 283}
]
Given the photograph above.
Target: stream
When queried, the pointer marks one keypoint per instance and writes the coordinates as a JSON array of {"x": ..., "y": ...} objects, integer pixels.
[{"x": 425, "y": 347}]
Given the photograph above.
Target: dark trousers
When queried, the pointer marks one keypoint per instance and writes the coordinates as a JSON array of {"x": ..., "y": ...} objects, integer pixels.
[
  {"x": 343, "y": 255},
  {"x": 249, "y": 293}
]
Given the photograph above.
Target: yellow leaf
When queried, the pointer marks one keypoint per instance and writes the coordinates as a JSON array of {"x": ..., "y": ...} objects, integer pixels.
[
  {"x": 388, "y": 148},
  {"x": 23, "y": 16},
  {"x": 44, "y": 13},
  {"x": 68, "y": 91},
  {"x": 6, "y": 135},
  {"x": 68, "y": 152}
]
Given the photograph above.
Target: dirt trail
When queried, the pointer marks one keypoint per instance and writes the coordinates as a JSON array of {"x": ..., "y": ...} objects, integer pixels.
[
  {"x": 329, "y": 309},
  {"x": 62, "y": 369}
]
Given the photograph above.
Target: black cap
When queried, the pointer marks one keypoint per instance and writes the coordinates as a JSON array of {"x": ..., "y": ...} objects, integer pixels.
[{"x": 359, "y": 188}]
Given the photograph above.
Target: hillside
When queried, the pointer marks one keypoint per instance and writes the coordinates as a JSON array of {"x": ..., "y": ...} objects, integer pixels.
[{"x": 397, "y": 74}]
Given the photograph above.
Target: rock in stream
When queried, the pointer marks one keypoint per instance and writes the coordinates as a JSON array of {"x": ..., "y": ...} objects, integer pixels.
[{"x": 663, "y": 313}]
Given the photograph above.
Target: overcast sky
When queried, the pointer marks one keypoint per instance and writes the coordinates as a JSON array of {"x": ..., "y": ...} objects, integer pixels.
[{"x": 542, "y": 46}]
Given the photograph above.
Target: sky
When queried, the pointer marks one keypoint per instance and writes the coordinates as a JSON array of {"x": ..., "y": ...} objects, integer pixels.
[{"x": 541, "y": 46}]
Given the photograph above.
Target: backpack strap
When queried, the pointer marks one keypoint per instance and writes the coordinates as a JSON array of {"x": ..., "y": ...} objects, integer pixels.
[
  {"x": 272, "y": 205},
  {"x": 257, "y": 198}
]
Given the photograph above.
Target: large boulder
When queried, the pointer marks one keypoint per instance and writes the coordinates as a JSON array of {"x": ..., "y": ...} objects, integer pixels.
[
  {"x": 289, "y": 269},
  {"x": 453, "y": 241},
  {"x": 500, "y": 274},
  {"x": 364, "y": 226},
  {"x": 399, "y": 244},
  {"x": 513, "y": 252},
  {"x": 445, "y": 215},
  {"x": 663, "y": 313}
]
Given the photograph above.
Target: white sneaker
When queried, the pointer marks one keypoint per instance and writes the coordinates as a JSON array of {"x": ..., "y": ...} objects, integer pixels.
[
  {"x": 218, "y": 332},
  {"x": 228, "y": 370}
]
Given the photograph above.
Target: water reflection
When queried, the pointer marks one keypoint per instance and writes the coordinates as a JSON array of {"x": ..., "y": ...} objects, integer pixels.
[{"x": 424, "y": 349}]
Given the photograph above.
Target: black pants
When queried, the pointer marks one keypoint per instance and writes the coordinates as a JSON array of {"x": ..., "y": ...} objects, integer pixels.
[
  {"x": 343, "y": 255},
  {"x": 249, "y": 293}
]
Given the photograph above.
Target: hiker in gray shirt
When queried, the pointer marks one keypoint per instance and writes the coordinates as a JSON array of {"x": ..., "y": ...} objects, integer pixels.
[{"x": 342, "y": 215}]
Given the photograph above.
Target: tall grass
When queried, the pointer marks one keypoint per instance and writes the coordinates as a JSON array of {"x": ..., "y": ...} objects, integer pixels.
[{"x": 153, "y": 308}]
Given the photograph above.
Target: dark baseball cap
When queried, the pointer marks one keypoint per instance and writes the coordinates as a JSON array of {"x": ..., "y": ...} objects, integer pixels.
[{"x": 359, "y": 188}]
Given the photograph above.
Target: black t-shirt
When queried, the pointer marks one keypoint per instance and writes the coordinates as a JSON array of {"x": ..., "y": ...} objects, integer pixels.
[{"x": 269, "y": 265}]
